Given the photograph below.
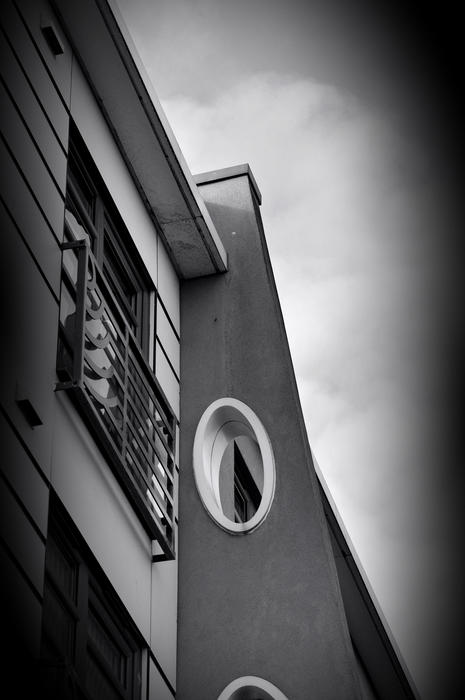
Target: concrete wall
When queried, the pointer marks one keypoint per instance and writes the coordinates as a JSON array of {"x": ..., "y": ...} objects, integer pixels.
[{"x": 265, "y": 604}]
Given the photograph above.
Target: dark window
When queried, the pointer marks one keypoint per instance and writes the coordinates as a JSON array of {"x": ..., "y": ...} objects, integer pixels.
[
  {"x": 103, "y": 347},
  {"x": 247, "y": 496},
  {"x": 88, "y": 201},
  {"x": 89, "y": 642}
]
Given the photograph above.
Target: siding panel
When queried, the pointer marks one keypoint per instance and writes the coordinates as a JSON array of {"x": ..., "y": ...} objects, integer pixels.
[
  {"x": 167, "y": 379},
  {"x": 28, "y": 350},
  {"x": 36, "y": 14},
  {"x": 158, "y": 690},
  {"x": 21, "y": 605},
  {"x": 84, "y": 482},
  {"x": 30, "y": 110},
  {"x": 34, "y": 68},
  {"x": 168, "y": 286},
  {"x": 164, "y": 616},
  {"x": 168, "y": 338},
  {"x": 23, "y": 477},
  {"x": 30, "y": 163},
  {"x": 30, "y": 221},
  {"x": 21, "y": 538}
]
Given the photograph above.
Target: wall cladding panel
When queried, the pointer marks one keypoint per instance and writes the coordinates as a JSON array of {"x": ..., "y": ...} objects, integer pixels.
[
  {"x": 21, "y": 606},
  {"x": 21, "y": 538},
  {"x": 30, "y": 221},
  {"x": 168, "y": 339},
  {"x": 23, "y": 477},
  {"x": 158, "y": 690},
  {"x": 28, "y": 352},
  {"x": 37, "y": 73},
  {"x": 35, "y": 15},
  {"x": 167, "y": 379},
  {"x": 168, "y": 286},
  {"x": 164, "y": 616},
  {"x": 85, "y": 484},
  {"x": 34, "y": 117},
  {"x": 30, "y": 163},
  {"x": 111, "y": 166}
]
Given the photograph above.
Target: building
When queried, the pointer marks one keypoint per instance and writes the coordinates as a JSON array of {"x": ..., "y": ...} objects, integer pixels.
[{"x": 163, "y": 527}]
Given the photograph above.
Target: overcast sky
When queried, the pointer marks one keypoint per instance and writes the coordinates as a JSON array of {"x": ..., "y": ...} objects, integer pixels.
[{"x": 344, "y": 113}]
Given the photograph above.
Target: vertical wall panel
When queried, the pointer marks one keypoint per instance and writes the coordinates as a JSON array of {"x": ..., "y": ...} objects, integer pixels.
[
  {"x": 85, "y": 484},
  {"x": 30, "y": 163},
  {"x": 35, "y": 15},
  {"x": 109, "y": 161},
  {"x": 28, "y": 352},
  {"x": 23, "y": 477},
  {"x": 168, "y": 286},
  {"x": 167, "y": 379},
  {"x": 158, "y": 690},
  {"x": 30, "y": 221},
  {"x": 31, "y": 112},
  {"x": 164, "y": 616},
  {"x": 167, "y": 338},
  {"x": 21, "y": 606},
  {"x": 21, "y": 538},
  {"x": 36, "y": 71}
]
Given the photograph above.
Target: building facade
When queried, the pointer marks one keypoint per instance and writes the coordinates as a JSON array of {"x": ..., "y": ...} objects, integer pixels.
[{"x": 163, "y": 529}]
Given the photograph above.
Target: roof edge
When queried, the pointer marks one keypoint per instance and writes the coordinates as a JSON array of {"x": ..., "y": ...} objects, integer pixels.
[
  {"x": 359, "y": 574},
  {"x": 227, "y": 174},
  {"x": 207, "y": 254}
]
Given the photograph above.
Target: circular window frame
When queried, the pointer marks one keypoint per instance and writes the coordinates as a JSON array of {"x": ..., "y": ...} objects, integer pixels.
[
  {"x": 222, "y": 421},
  {"x": 252, "y": 683}
]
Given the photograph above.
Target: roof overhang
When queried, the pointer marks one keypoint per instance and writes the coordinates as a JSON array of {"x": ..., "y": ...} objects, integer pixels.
[{"x": 115, "y": 72}]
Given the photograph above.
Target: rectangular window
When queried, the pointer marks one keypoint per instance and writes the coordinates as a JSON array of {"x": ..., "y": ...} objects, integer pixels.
[
  {"x": 103, "y": 348},
  {"x": 89, "y": 642},
  {"x": 89, "y": 204}
]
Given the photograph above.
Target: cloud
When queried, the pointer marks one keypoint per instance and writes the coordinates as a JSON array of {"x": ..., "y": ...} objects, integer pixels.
[{"x": 351, "y": 213}]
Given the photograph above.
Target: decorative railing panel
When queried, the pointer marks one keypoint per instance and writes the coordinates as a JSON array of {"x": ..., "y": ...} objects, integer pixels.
[{"x": 100, "y": 361}]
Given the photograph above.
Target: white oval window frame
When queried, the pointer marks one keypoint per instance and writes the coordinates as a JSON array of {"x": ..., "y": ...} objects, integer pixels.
[
  {"x": 252, "y": 683},
  {"x": 222, "y": 421}
]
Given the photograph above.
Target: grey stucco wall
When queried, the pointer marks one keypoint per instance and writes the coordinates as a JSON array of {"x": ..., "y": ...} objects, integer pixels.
[{"x": 268, "y": 603}]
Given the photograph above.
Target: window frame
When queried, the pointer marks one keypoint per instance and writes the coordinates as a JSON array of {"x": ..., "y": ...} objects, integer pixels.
[
  {"x": 94, "y": 592},
  {"x": 102, "y": 363},
  {"x": 107, "y": 229}
]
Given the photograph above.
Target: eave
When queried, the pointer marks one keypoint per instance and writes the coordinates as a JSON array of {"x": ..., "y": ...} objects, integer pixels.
[{"x": 107, "y": 56}]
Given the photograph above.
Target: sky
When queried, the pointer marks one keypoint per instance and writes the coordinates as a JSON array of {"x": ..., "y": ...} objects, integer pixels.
[{"x": 347, "y": 115}]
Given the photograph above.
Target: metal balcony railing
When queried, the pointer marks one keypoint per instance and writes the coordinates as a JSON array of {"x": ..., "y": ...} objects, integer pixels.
[{"x": 102, "y": 364}]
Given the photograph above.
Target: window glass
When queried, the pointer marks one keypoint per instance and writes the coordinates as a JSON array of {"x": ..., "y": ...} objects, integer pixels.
[
  {"x": 83, "y": 628},
  {"x": 91, "y": 214}
]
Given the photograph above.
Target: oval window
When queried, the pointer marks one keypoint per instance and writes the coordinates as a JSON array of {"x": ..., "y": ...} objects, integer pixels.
[
  {"x": 251, "y": 688},
  {"x": 233, "y": 466}
]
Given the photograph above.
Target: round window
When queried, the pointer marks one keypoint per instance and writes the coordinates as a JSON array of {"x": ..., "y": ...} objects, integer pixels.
[
  {"x": 233, "y": 466},
  {"x": 251, "y": 688}
]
